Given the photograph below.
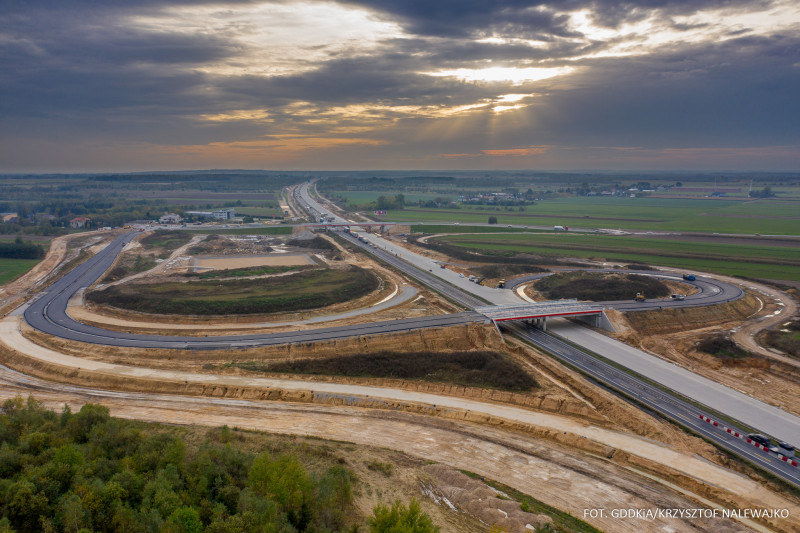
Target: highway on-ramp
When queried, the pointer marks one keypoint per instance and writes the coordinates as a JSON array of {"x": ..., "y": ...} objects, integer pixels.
[{"x": 48, "y": 313}]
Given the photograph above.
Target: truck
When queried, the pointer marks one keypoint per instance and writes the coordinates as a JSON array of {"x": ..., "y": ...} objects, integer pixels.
[
  {"x": 689, "y": 277},
  {"x": 560, "y": 228},
  {"x": 472, "y": 278},
  {"x": 678, "y": 296},
  {"x": 501, "y": 284}
]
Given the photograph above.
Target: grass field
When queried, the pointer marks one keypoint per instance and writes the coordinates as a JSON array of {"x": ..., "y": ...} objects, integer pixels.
[
  {"x": 768, "y": 262},
  {"x": 657, "y": 214},
  {"x": 245, "y": 272},
  {"x": 450, "y": 228},
  {"x": 11, "y": 269},
  {"x": 304, "y": 290}
]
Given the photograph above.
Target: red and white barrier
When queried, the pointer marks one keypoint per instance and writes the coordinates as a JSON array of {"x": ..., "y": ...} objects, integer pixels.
[{"x": 748, "y": 440}]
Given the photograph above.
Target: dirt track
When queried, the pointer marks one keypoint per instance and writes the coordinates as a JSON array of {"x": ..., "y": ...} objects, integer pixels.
[
  {"x": 563, "y": 480},
  {"x": 634, "y": 446}
]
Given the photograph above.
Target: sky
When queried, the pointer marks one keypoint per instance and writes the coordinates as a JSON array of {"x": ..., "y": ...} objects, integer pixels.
[{"x": 136, "y": 85}]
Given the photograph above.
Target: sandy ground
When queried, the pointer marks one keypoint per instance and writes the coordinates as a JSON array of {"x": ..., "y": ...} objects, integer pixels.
[
  {"x": 177, "y": 260},
  {"x": 565, "y": 480},
  {"x": 252, "y": 261},
  {"x": 698, "y": 468}
]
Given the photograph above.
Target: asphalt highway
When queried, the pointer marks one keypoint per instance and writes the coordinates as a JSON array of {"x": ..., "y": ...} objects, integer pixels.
[
  {"x": 47, "y": 313},
  {"x": 658, "y": 400},
  {"x": 710, "y": 291}
]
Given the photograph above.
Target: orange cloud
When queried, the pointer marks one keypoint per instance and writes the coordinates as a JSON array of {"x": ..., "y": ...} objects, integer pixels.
[
  {"x": 273, "y": 146},
  {"x": 506, "y": 152}
]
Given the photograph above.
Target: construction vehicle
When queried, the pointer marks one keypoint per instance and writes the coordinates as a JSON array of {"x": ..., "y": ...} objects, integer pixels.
[
  {"x": 639, "y": 297},
  {"x": 689, "y": 277},
  {"x": 501, "y": 284}
]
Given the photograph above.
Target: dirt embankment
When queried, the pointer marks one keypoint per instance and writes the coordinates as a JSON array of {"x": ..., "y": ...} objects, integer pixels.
[
  {"x": 464, "y": 337},
  {"x": 681, "y": 319},
  {"x": 674, "y": 335},
  {"x": 656, "y": 464},
  {"x": 547, "y": 397}
]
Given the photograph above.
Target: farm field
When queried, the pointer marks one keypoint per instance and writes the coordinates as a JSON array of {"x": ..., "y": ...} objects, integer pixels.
[
  {"x": 766, "y": 262},
  {"x": 363, "y": 197},
  {"x": 10, "y": 269},
  {"x": 450, "y": 228},
  {"x": 656, "y": 214}
]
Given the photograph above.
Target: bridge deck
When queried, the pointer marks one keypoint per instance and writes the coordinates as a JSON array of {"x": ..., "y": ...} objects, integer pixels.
[{"x": 499, "y": 313}]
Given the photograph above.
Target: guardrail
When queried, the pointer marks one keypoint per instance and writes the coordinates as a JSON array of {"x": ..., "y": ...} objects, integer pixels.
[{"x": 748, "y": 440}]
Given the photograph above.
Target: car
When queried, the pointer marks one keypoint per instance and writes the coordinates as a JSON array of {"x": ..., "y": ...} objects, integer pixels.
[
  {"x": 760, "y": 439},
  {"x": 509, "y": 226},
  {"x": 461, "y": 275}
]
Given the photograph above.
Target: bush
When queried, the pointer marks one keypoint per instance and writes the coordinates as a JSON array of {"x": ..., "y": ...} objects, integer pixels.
[
  {"x": 469, "y": 369},
  {"x": 400, "y": 519},
  {"x": 722, "y": 347}
]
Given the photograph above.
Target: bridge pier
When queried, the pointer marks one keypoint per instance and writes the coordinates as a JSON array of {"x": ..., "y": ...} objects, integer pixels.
[
  {"x": 599, "y": 321},
  {"x": 539, "y": 323}
]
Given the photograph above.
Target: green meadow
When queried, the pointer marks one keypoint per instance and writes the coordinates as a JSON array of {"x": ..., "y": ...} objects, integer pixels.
[
  {"x": 757, "y": 261},
  {"x": 11, "y": 269},
  {"x": 770, "y": 216}
]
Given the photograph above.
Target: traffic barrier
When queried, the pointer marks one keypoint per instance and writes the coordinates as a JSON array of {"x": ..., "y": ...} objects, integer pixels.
[{"x": 748, "y": 440}]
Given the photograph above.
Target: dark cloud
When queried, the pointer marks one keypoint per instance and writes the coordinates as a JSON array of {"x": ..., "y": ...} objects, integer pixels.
[
  {"x": 81, "y": 71},
  {"x": 525, "y": 17}
]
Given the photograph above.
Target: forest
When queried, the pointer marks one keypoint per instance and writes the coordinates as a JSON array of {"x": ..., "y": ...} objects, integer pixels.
[{"x": 89, "y": 472}]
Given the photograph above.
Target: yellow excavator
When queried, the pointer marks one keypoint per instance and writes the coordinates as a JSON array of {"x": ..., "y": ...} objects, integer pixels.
[{"x": 639, "y": 297}]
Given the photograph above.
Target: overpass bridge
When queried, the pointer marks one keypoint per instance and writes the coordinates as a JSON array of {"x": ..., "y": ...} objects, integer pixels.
[{"x": 537, "y": 313}]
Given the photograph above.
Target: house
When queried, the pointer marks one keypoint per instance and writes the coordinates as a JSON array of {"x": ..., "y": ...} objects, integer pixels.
[
  {"x": 221, "y": 214},
  {"x": 224, "y": 214},
  {"x": 79, "y": 222},
  {"x": 11, "y": 218},
  {"x": 170, "y": 218}
]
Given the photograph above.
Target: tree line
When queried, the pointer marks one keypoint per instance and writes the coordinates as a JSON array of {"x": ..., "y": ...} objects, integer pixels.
[
  {"x": 88, "y": 472},
  {"x": 20, "y": 249}
]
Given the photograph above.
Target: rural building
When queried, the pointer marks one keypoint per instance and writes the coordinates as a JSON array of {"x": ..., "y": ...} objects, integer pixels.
[
  {"x": 11, "y": 218},
  {"x": 170, "y": 218},
  {"x": 79, "y": 222},
  {"x": 224, "y": 214},
  {"x": 221, "y": 214}
]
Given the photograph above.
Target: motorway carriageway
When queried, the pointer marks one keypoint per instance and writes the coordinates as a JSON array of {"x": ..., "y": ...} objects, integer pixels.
[
  {"x": 738, "y": 406},
  {"x": 48, "y": 313}
]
